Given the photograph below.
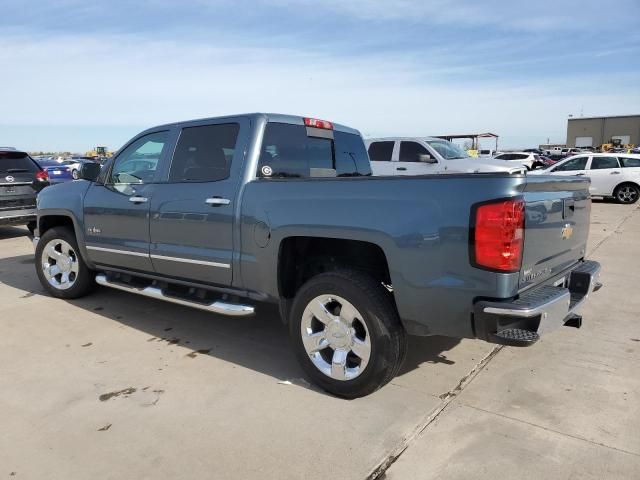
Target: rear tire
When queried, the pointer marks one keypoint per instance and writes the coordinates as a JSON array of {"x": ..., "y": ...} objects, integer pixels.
[
  {"x": 75, "y": 174},
  {"x": 346, "y": 333},
  {"x": 60, "y": 266},
  {"x": 627, "y": 193}
]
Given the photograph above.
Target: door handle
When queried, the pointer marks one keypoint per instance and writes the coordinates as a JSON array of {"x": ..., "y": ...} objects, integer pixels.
[
  {"x": 614, "y": 173},
  {"x": 579, "y": 174},
  {"x": 137, "y": 199},
  {"x": 402, "y": 169},
  {"x": 217, "y": 201}
]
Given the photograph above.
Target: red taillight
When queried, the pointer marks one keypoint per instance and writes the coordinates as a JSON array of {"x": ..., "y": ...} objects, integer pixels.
[
  {"x": 315, "y": 123},
  {"x": 42, "y": 176},
  {"x": 499, "y": 235}
]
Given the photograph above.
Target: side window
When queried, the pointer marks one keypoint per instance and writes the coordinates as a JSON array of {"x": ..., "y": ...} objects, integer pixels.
[
  {"x": 351, "y": 156},
  {"x": 287, "y": 151},
  {"x": 629, "y": 162},
  {"x": 410, "y": 151},
  {"x": 381, "y": 151},
  {"x": 138, "y": 162},
  {"x": 599, "y": 163},
  {"x": 578, "y": 163},
  {"x": 204, "y": 154},
  {"x": 505, "y": 156}
]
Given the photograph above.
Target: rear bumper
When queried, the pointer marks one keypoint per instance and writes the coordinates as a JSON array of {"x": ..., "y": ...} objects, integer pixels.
[
  {"x": 18, "y": 217},
  {"x": 540, "y": 310}
]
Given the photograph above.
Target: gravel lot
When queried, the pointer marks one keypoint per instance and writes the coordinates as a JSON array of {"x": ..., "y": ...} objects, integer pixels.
[{"x": 119, "y": 386}]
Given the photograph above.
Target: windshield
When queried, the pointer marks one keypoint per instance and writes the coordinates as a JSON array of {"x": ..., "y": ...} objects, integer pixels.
[{"x": 448, "y": 150}]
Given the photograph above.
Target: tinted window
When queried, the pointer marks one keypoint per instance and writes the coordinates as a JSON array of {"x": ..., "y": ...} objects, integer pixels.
[
  {"x": 351, "y": 156},
  {"x": 599, "y": 163},
  {"x": 284, "y": 151},
  {"x": 138, "y": 162},
  {"x": 16, "y": 162},
  {"x": 289, "y": 151},
  {"x": 629, "y": 162},
  {"x": 578, "y": 163},
  {"x": 381, "y": 151},
  {"x": 204, "y": 154},
  {"x": 504, "y": 156},
  {"x": 409, "y": 151}
]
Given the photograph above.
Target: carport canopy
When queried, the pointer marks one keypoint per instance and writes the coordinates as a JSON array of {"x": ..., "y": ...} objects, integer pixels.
[{"x": 474, "y": 137}]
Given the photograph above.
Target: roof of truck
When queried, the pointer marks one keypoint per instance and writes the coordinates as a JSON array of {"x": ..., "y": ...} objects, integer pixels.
[{"x": 270, "y": 117}]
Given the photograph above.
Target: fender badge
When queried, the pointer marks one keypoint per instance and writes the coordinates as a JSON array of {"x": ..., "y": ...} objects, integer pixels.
[{"x": 567, "y": 231}]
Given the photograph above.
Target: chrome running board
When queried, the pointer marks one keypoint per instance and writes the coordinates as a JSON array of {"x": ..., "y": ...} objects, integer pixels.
[{"x": 222, "y": 308}]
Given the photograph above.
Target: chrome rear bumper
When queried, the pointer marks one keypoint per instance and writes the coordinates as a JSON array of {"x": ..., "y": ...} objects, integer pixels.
[{"x": 537, "y": 311}]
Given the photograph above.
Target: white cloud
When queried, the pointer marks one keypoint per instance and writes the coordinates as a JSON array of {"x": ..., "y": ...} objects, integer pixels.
[{"x": 126, "y": 80}]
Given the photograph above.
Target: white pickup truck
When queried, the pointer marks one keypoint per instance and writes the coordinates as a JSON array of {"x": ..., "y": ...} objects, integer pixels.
[{"x": 427, "y": 156}]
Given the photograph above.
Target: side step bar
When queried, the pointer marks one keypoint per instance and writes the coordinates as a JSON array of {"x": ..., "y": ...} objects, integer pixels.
[{"x": 219, "y": 307}]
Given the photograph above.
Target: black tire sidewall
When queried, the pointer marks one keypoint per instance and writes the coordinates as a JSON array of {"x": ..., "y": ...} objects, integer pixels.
[
  {"x": 379, "y": 314},
  {"x": 635, "y": 187},
  {"x": 84, "y": 281}
]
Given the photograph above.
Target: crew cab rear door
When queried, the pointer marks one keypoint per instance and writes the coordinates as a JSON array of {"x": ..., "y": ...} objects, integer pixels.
[{"x": 192, "y": 209}]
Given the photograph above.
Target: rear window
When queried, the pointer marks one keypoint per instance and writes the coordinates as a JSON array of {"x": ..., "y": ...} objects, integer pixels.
[
  {"x": 601, "y": 163},
  {"x": 629, "y": 162},
  {"x": 204, "y": 153},
  {"x": 381, "y": 151},
  {"x": 16, "y": 162},
  {"x": 288, "y": 151}
]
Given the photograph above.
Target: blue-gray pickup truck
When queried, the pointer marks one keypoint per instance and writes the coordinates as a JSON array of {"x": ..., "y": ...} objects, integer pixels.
[{"x": 225, "y": 214}]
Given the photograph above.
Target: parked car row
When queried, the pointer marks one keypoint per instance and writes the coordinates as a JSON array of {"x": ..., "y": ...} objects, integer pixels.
[{"x": 616, "y": 176}]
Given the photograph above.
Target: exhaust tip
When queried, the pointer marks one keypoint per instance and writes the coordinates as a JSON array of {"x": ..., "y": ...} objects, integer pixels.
[{"x": 574, "y": 321}]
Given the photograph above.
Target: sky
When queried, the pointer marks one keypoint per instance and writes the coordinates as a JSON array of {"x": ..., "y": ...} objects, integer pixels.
[{"x": 77, "y": 74}]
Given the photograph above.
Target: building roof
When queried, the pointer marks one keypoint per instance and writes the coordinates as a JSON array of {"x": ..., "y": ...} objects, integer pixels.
[
  {"x": 604, "y": 116},
  {"x": 470, "y": 135}
]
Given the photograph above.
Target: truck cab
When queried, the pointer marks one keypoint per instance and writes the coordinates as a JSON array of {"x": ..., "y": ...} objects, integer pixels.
[{"x": 397, "y": 156}]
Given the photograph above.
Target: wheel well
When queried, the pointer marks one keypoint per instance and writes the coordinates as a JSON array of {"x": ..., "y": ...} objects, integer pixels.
[
  {"x": 50, "y": 221},
  {"x": 300, "y": 258},
  {"x": 626, "y": 183}
]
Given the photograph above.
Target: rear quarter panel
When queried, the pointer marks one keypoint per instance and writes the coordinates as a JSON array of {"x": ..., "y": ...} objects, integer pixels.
[{"x": 420, "y": 223}]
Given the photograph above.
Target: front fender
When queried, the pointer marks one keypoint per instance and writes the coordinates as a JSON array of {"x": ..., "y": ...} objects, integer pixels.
[{"x": 65, "y": 200}]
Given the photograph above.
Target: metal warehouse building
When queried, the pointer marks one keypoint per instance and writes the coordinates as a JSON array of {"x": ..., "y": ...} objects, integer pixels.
[{"x": 594, "y": 131}]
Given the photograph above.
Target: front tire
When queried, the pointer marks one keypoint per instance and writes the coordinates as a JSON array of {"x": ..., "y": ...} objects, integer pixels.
[
  {"x": 627, "y": 193},
  {"x": 60, "y": 267},
  {"x": 75, "y": 174},
  {"x": 346, "y": 333}
]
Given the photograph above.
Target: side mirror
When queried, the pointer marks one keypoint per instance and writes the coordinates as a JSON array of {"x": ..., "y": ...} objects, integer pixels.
[
  {"x": 89, "y": 171},
  {"x": 426, "y": 158}
]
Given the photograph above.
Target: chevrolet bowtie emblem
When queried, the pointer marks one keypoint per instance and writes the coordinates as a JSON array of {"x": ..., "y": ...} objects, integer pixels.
[{"x": 567, "y": 231}]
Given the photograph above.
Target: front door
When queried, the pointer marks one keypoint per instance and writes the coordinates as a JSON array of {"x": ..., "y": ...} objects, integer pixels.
[
  {"x": 116, "y": 213},
  {"x": 572, "y": 166},
  {"x": 411, "y": 160},
  {"x": 605, "y": 174},
  {"x": 192, "y": 212}
]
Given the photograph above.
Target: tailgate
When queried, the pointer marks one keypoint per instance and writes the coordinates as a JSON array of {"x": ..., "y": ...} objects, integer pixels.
[{"x": 556, "y": 226}]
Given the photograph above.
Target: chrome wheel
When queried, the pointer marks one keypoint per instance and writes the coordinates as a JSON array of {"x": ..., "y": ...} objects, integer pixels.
[
  {"x": 336, "y": 337},
  {"x": 627, "y": 194},
  {"x": 60, "y": 264},
  {"x": 75, "y": 174}
]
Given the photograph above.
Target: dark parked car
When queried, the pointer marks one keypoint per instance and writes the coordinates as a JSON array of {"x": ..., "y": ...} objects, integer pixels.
[
  {"x": 223, "y": 214},
  {"x": 57, "y": 171},
  {"x": 21, "y": 178}
]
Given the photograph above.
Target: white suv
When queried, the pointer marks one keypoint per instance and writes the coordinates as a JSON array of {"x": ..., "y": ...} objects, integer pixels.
[
  {"x": 615, "y": 176},
  {"x": 427, "y": 156}
]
